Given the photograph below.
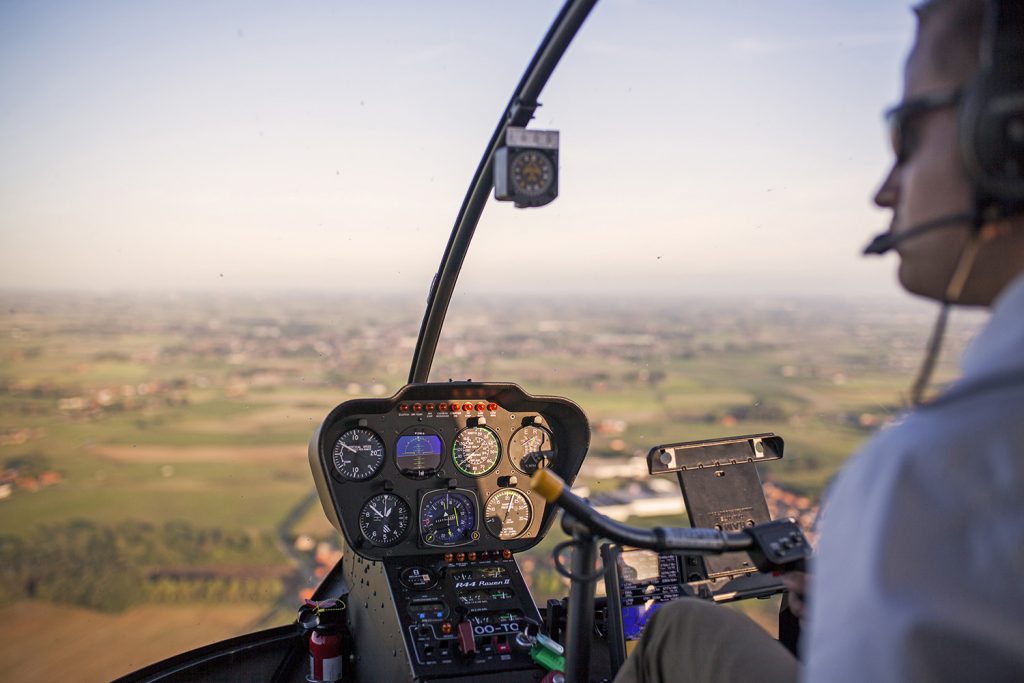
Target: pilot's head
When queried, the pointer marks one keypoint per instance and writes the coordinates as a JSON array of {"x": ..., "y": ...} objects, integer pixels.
[{"x": 928, "y": 179}]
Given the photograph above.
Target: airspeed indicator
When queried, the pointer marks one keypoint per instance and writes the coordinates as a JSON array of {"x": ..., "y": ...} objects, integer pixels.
[{"x": 358, "y": 454}]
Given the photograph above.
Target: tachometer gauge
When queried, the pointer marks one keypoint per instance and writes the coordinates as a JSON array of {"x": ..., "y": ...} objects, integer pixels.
[
  {"x": 531, "y": 448},
  {"x": 384, "y": 519},
  {"x": 418, "y": 452},
  {"x": 358, "y": 454},
  {"x": 508, "y": 514},
  {"x": 448, "y": 518},
  {"x": 476, "y": 451}
]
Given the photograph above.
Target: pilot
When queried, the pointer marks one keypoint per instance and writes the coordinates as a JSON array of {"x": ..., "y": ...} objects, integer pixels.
[{"x": 919, "y": 574}]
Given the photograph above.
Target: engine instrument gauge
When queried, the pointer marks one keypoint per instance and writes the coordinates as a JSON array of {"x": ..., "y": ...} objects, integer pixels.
[
  {"x": 476, "y": 451},
  {"x": 508, "y": 514},
  {"x": 418, "y": 452},
  {"x": 384, "y": 519},
  {"x": 531, "y": 448},
  {"x": 448, "y": 518},
  {"x": 358, "y": 454}
]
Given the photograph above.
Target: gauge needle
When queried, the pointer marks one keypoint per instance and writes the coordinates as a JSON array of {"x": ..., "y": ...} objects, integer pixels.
[
  {"x": 345, "y": 445},
  {"x": 377, "y": 511}
]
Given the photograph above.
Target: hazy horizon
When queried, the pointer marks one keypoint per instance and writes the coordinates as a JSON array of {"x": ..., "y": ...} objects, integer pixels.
[{"x": 705, "y": 147}]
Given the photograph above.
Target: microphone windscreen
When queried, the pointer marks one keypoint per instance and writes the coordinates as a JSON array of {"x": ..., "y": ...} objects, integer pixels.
[{"x": 880, "y": 244}]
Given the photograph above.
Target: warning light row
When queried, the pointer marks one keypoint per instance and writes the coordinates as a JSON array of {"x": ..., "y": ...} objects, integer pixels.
[
  {"x": 444, "y": 407},
  {"x": 483, "y": 555}
]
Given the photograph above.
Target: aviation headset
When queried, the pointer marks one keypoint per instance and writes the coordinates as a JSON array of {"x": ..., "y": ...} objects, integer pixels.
[
  {"x": 991, "y": 114},
  {"x": 991, "y": 140}
]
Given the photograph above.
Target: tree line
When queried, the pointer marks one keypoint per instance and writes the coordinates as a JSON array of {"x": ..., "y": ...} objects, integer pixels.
[{"x": 111, "y": 566}]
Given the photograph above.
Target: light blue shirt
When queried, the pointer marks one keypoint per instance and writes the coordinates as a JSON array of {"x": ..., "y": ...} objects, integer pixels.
[{"x": 920, "y": 568}]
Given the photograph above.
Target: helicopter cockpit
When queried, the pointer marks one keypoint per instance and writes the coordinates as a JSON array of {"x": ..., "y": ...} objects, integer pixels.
[
  {"x": 431, "y": 490},
  {"x": 435, "y": 490}
]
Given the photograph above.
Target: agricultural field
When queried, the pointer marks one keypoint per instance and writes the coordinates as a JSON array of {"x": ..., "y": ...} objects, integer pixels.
[{"x": 153, "y": 449}]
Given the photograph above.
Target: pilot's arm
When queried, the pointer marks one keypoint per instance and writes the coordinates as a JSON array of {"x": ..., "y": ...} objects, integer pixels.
[{"x": 919, "y": 574}]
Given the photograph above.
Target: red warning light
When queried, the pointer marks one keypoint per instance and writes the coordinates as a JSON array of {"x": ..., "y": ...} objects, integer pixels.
[
  {"x": 481, "y": 406},
  {"x": 467, "y": 406},
  {"x": 404, "y": 408},
  {"x": 492, "y": 407}
]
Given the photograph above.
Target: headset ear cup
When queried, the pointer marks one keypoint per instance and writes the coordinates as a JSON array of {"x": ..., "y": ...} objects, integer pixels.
[{"x": 992, "y": 140}]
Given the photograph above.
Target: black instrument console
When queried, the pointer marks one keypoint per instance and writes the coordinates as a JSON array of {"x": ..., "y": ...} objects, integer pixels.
[{"x": 430, "y": 489}]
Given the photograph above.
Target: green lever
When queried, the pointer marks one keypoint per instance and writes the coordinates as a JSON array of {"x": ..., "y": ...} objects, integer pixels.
[{"x": 548, "y": 654}]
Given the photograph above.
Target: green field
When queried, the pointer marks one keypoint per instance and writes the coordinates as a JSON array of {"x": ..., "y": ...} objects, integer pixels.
[{"x": 198, "y": 411}]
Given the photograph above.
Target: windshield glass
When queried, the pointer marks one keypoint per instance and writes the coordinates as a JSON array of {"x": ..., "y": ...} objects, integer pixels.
[{"x": 218, "y": 222}]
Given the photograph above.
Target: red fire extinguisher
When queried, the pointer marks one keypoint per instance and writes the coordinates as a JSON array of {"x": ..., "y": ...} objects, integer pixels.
[
  {"x": 324, "y": 625},
  {"x": 325, "y": 657}
]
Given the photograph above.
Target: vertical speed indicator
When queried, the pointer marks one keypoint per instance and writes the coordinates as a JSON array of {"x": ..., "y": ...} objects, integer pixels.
[{"x": 531, "y": 448}]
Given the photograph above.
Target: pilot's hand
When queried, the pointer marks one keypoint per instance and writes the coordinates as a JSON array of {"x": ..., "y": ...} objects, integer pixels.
[{"x": 798, "y": 584}]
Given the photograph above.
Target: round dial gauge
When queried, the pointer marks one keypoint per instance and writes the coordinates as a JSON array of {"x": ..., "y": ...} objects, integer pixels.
[
  {"x": 418, "y": 452},
  {"x": 476, "y": 451},
  {"x": 448, "y": 518},
  {"x": 384, "y": 519},
  {"x": 531, "y": 172},
  {"x": 508, "y": 514},
  {"x": 358, "y": 454},
  {"x": 531, "y": 448}
]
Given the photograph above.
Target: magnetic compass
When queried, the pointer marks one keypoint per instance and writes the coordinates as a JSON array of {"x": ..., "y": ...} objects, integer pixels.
[
  {"x": 531, "y": 173},
  {"x": 526, "y": 168}
]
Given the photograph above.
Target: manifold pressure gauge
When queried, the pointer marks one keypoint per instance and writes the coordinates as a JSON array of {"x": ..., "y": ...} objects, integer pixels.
[{"x": 526, "y": 168}]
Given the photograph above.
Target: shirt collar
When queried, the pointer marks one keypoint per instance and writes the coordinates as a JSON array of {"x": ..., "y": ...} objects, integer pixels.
[{"x": 1000, "y": 345}]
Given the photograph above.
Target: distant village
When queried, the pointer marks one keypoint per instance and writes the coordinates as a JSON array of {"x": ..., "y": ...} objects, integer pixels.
[{"x": 227, "y": 351}]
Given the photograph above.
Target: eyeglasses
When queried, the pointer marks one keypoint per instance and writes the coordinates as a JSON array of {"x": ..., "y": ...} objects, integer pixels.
[{"x": 900, "y": 119}]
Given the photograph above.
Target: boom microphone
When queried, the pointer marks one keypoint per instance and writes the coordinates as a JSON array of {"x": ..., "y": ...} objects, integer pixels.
[{"x": 887, "y": 240}]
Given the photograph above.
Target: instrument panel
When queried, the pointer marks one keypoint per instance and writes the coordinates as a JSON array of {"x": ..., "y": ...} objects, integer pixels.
[{"x": 442, "y": 466}]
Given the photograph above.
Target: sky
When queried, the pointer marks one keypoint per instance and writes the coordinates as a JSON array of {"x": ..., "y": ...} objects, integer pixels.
[{"x": 706, "y": 147}]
